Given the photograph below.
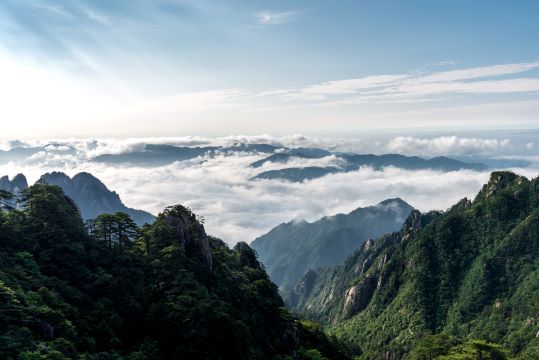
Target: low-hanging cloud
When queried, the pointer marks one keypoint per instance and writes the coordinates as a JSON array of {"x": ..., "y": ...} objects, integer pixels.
[
  {"x": 446, "y": 145},
  {"x": 237, "y": 209}
]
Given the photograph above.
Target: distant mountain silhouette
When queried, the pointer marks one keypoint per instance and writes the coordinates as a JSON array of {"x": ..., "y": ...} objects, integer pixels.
[
  {"x": 14, "y": 186},
  {"x": 89, "y": 193},
  {"x": 289, "y": 249},
  {"x": 352, "y": 162},
  {"x": 155, "y": 155}
]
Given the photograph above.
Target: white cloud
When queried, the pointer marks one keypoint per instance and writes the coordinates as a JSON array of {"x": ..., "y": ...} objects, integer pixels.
[
  {"x": 274, "y": 17},
  {"x": 479, "y": 72},
  {"x": 351, "y": 86},
  {"x": 415, "y": 87},
  {"x": 238, "y": 209},
  {"x": 189, "y": 102},
  {"x": 446, "y": 145},
  {"x": 100, "y": 18}
]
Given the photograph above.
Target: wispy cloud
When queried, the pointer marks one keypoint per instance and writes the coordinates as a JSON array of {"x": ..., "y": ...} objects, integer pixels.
[
  {"x": 100, "y": 18},
  {"x": 417, "y": 86},
  {"x": 274, "y": 17},
  {"x": 479, "y": 72},
  {"x": 50, "y": 9}
]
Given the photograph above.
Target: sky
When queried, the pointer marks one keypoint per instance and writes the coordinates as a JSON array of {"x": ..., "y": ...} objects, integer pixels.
[{"x": 81, "y": 68}]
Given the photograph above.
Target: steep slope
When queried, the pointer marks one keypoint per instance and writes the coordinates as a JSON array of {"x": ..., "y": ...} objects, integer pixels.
[
  {"x": 171, "y": 292},
  {"x": 472, "y": 272},
  {"x": 289, "y": 249}
]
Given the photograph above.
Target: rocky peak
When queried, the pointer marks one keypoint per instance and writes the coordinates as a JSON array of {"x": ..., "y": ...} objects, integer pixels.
[
  {"x": 14, "y": 186},
  {"x": 20, "y": 182},
  {"x": 413, "y": 222},
  {"x": 304, "y": 287},
  {"x": 368, "y": 244},
  {"x": 190, "y": 233},
  {"x": 499, "y": 180}
]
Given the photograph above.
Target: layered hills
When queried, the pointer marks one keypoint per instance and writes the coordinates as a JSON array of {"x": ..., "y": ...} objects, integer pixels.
[
  {"x": 469, "y": 272},
  {"x": 89, "y": 193},
  {"x": 289, "y": 249}
]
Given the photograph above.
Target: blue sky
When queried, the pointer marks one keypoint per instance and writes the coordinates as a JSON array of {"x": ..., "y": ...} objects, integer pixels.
[{"x": 169, "y": 67}]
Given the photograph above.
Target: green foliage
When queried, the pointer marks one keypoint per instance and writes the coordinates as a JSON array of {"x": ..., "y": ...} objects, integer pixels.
[
  {"x": 432, "y": 346},
  {"x": 113, "y": 291},
  {"x": 471, "y": 272},
  {"x": 475, "y": 350}
]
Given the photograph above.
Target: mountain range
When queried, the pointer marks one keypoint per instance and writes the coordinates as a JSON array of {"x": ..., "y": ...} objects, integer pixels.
[
  {"x": 457, "y": 284},
  {"x": 156, "y": 155},
  {"x": 89, "y": 193},
  {"x": 289, "y": 249},
  {"x": 161, "y": 154},
  {"x": 346, "y": 162},
  {"x": 471, "y": 272}
]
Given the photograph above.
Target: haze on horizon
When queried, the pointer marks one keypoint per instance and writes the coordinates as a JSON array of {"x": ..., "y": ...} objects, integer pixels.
[{"x": 84, "y": 68}]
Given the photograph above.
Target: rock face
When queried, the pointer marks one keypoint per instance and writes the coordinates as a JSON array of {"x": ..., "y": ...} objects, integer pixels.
[
  {"x": 190, "y": 234},
  {"x": 343, "y": 291},
  {"x": 304, "y": 287},
  {"x": 358, "y": 297}
]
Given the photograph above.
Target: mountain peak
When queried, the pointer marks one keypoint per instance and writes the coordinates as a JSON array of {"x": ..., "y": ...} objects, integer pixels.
[
  {"x": 396, "y": 200},
  {"x": 500, "y": 180},
  {"x": 17, "y": 184}
]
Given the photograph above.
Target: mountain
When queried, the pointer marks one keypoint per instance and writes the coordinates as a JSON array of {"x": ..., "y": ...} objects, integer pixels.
[
  {"x": 89, "y": 193},
  {"x": 290, "y": 248},
  {"x": 93, "y": 197},
  {"x": 166, "y": 291},
  {"x": 18, "y": 153},
  {"x": 156, "y": 155},
  {"x": 352, "y": 162},
  {"x": 14, "y": 186},
  {"x": 161, "y": 154},
  {"x": 287, "y": 154},
  {"x": 298, "y": 174},
  {"x": 471, "y": 272}
]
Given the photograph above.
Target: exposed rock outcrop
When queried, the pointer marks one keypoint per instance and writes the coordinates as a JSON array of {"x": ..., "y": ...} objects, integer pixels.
[
  {"x": 190, "y": 233},
  {"x": 305, "y": 285},
  {"x": 357, "y": 297}
]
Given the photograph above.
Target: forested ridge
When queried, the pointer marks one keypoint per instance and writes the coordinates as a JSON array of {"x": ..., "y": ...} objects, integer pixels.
[
  {"x": 454, "y": 285},
  {"x": 461, "y": 284},
  {"x": 108, "y": 289}
]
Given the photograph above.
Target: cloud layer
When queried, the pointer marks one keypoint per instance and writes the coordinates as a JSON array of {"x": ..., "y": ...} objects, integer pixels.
[{"x": 237, "y": 209}]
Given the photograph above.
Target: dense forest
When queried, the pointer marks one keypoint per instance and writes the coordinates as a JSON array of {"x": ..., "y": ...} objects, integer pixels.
[
  {"x": 454, "y": 285},
  {"x": 460, "y": 284},
  {"x": 108, "y": 289}
]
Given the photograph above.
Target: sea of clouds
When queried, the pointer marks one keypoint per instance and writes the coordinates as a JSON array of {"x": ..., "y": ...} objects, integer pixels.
[{"x": 239, "y": 209}]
